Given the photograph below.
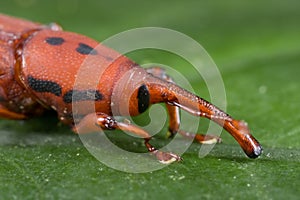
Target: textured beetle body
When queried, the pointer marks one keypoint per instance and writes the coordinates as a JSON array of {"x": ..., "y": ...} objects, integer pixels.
[
  {"x": 39, "y": 66},
  {"x": 52, "y": 83},
  {"x": 37, "y": 79}
]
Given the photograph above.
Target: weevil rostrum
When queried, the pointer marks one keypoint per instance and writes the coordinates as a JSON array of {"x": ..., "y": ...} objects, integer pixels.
[{"x": 31, "y": 55}]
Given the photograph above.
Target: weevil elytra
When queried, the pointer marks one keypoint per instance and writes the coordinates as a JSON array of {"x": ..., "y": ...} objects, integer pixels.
[{"x": 32, "y": 54}]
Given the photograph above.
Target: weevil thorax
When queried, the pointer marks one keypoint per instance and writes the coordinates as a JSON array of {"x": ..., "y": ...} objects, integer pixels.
[{"x": 60, "y": 68}]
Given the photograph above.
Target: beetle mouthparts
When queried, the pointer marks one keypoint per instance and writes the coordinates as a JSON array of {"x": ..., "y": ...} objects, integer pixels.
[{"x": 256, "y": 152}]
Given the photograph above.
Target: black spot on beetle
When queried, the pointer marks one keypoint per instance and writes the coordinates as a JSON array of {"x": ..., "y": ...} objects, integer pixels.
[
  {"x": 55, "y": 41},
  {"x": 82, "y": 95},
  {"x": 86, "y": 49},
  {"x": 40, "y": 85},
  {"x": 143, "y": 97}
]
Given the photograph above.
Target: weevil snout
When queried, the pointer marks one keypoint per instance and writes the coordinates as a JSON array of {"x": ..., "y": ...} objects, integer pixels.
[{"x": 240, "y": 131}]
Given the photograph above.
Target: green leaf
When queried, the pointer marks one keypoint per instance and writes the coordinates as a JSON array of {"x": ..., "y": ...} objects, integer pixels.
[{"x": 256, "y": 46}]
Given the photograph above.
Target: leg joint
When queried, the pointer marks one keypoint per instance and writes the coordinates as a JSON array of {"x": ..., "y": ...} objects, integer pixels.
[{"x": 107, "y": 122}]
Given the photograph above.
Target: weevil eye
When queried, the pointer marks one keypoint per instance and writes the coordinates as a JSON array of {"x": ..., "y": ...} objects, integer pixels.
[{"x": 143, "y": 97}]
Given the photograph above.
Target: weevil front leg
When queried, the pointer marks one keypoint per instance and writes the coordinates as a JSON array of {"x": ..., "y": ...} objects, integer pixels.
[
  {"x": 92, "y": 122},
  {"x": 174, "y": 114},
  {"x": 174, "y": 124}
]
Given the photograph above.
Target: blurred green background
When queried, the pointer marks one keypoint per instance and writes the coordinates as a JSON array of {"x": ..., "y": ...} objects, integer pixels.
[{"x": 255, "y": 44}]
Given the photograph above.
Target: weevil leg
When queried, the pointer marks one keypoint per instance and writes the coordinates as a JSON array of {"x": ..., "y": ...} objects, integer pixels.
[
  {"x": 5, "y": 113},
  {"x": 174, "y": 114},
  {"x": 92, "y": 123},
  {"x": 174, "y": 124}
]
